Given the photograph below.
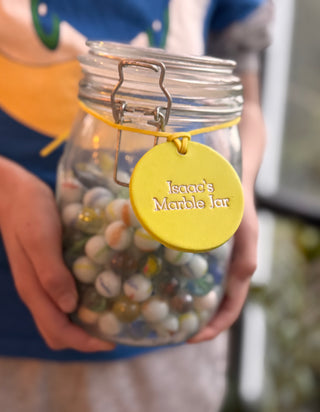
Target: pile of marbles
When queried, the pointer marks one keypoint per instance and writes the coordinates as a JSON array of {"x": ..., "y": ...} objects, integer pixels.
[{"x": 132, "y": 289}]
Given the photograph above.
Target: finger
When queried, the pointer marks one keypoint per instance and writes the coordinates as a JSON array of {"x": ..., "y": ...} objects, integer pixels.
[
  {"x": 54, "y": 326},
  {"x": 242, "y": 267},
  {"x": 228, "y": 312},
  {"x": 44, "y": 247}
]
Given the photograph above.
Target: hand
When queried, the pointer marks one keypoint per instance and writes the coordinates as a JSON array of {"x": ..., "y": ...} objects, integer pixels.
[
  {"x": 31, "y": 231},
  {"x": 241, "y": 268}
]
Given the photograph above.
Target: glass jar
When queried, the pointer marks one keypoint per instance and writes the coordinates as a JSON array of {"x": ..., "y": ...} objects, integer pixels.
[{"x": 132, "y": 289}]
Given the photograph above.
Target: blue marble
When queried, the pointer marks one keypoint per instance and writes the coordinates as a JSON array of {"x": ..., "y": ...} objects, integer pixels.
[{"x": 201, "y": 286}]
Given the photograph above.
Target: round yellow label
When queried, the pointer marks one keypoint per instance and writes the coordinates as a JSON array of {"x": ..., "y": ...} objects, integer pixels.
[{"x": 189, "y": 202}]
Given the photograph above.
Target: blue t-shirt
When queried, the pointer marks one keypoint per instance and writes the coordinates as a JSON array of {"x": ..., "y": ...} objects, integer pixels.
[{"x": 38, "y": 89}]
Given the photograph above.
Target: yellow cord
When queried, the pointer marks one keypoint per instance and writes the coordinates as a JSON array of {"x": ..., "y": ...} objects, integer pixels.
[
  {"x": 52, "y": 146},
  {"x": 180, "y": 138}
]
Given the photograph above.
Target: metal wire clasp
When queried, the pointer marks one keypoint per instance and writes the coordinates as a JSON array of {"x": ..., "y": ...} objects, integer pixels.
[{"x": 160, "y": 114}]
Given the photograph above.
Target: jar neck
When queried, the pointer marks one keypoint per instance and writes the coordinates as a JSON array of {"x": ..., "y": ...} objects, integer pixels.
[{"x": 159, "y": 90}]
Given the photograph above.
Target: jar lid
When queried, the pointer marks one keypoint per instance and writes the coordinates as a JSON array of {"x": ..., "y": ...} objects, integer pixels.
[{"x": 202, "y": 90}]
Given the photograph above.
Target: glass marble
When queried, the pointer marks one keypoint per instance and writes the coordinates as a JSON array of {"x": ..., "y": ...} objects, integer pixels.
[
  {"x": 97, "y": 198},
  {"x": 140, "y": 329},
  {"x": 92, "y": 300},
  {"x": 71, "y": 191},
  {"x": 150, "y": 265},
  {"x": 85, "y": 270},
  {"x": 73, "y": 246},
  {"x": 125, "y": 309},
  {"x": 108, "y": 284},
  {"x": 124, "y": 263},
  {"x": 109, "y": 324},
  {"x": 70, "y": 214},
  {"x": 206, "y": 302},
  {"x": 118, "y": 236},
  {"x": 144, "y": 241},
  {"x": 155, "y": 309},
  {"x": 201, "y": 286},
  {"x": 196, "y": 267},
  {"x": 89, "y": 175},
  {"x": 114, "y": 209},
  {"x": 90, "y": 221},
  {"x": 168, "y": 326},
  {"x": 216, "y": 270},
  {"x": 137, "y": 288},
  {"x": 87, "y": 316},
  {"x": 176, "y": 257},
  {"x": 181, "y": 302},
  {"x": 166, "y": 284},
  {"x": 189, "y": 322},
  {"x": 97, "y": 249}
]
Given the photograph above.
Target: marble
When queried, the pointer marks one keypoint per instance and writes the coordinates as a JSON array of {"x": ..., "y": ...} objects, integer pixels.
[
  {"x": 201, "y": 286},
  {"x": 70, "y": 214},
  {"x": 124, "y": 263},
  {"x": 155, "y": 309},
  {"x": 85, "y": 270},
  {"x": 189, "y": 323},
  {"x": 150, "y": 265},
  {"x": 166, "y": 284},
  {"x": 182, "y": 302},
  {"x": 87, "y": 316},
  {"x": 109, "y": 324},
  {"x": 125, "y": 309},
  {"x": 196, "y": 267},
  {"x": 176, "y": 257},
  {"x": 144, "y": 241},
  {"x": 90, "y": 221},
  {"x": 93, "y": 300},
  {"x": 137, "y": 288},
  {"x": 118, "y": 236},
  {"x": 206, "y": 302},
  {"x": 97, "y": 250},
  {"x": 108, "y": 284},
  {"x": 97, "y": 198}
]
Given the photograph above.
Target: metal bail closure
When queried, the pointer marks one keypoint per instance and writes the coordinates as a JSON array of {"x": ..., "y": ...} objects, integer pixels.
[{"x": 160, "y": 114}]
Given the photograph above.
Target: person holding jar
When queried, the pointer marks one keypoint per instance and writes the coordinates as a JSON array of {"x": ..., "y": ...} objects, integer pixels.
[{"x": 40, "y": 42}]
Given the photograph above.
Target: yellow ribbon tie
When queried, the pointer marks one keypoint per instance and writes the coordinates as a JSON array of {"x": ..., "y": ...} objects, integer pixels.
[
  {"x": 180, "y": 139},
  {"x": 52, "y": 146}
]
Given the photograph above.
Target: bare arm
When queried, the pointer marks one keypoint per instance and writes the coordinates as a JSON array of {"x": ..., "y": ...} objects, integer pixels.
[
  {"x": 252, "y": 130},
  {"x": 244, "y": 255}
]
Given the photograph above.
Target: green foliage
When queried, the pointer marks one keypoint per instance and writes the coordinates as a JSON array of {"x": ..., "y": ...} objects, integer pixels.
[{"x": 293, "y": 320}]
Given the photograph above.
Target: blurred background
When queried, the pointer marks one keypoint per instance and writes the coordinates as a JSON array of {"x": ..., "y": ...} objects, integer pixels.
[{"x": 275, "y": 351}]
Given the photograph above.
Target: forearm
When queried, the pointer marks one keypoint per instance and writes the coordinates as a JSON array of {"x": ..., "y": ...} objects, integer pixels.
[
  {"x": 252, "y": 131},
  {"x": 16, "y": 180},
  {"x": 9, "y": 172}
]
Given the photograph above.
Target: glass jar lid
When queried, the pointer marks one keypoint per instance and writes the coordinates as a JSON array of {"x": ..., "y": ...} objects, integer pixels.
[{"x": 189, "y": 91}]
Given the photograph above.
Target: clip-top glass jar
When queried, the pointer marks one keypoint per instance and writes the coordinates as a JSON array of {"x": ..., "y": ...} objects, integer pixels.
[{"x": 132, "y": 289}]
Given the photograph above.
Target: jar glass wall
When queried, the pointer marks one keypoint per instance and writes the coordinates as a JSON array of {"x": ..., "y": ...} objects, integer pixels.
[{"x": 132, "y": 289}]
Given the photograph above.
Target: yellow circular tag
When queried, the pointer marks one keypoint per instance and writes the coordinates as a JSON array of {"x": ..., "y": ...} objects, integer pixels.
[{"x": 190, "y": 202}]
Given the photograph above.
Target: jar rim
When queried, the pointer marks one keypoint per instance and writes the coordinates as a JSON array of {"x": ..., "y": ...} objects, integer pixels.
[
  {"x": 202, "y": 86},
  {"x": 118, "y": 51}
]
